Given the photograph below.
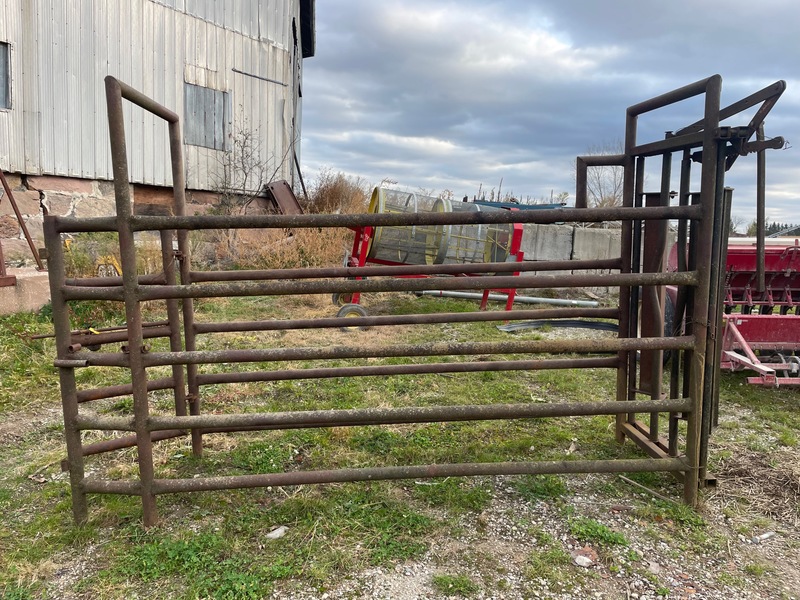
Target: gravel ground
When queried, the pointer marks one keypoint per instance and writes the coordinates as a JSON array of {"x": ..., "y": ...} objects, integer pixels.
[{"x": 494, "y": 547}]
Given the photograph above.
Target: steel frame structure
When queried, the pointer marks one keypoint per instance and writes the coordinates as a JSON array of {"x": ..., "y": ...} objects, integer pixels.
[{"x": 691, "y": 391}]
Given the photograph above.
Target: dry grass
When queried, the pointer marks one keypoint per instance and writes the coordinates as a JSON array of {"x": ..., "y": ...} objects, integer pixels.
[
  {"x": 764, "y": 485},
  {"x": 86, "y": 252},
  {"x": 276, "y": 249},
  {"x": 337, "y": 193}
]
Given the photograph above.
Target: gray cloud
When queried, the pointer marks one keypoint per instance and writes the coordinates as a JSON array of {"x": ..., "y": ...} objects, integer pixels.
[{"x": 460, "y": 94}]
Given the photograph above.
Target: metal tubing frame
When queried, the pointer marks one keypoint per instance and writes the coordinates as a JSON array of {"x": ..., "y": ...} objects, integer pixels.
[
  {"x": 383, "y": 416},
  {"x": 711, "y": 89},
  {"x": 695, "y": 281}
]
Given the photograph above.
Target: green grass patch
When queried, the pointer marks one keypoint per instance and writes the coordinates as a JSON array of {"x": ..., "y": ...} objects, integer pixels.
[
  {"x": 27, "y": 376},
  {"x": 203, "y": 564},
  {"x": 455, "y": 493},
  {"x": 682, "y": 516},
  {"x": 594, "y": 532},
  {"x": 262, "y": 457},
  {"x": 227, "y": 554},
  {"x": 15, "y": 592},
  {"x": 455, "y": 585},
  {"x": 757, "y": 569},
  {"x": 540, "y": 487},
  {"x": 551, "y": 563}
]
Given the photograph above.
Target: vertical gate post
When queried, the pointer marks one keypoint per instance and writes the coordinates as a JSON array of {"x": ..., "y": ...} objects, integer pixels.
[
  {"x": 708, "y": 195},
  {"x": 130, "y": 284},
  {"x": 66, "y": 375}
]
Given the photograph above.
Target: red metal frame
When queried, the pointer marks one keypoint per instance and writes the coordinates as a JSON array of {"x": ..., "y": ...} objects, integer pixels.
[
  {"x": 782, "y": 281},
  {"x": 776, "y": 336},
  {"x": 358, "y": 257},
  {"x": 744, "y": 335}
]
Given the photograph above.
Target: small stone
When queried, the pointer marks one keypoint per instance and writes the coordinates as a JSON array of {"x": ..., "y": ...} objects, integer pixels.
[
  {"x": 278, "y": 532},
  {"x": 583, "y": 561},
  {"x": 763, "y": 537}
]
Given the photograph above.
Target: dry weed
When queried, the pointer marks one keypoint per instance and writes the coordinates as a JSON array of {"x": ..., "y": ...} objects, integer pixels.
[
  {"x": 279, "y": 249},
  {"x": 337, "y": 193},
  {"x": 766, "y": 485}
]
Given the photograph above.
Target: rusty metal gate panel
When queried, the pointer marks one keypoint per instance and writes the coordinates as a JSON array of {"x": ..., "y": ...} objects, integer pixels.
[{"x": 701, "y": 218}]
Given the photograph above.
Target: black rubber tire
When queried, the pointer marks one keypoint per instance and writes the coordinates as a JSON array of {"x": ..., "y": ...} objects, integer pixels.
[
  {"x": 352, "y": 310},
  {"x": 669, "y": 320},
  {"x": 341, "y": 299}
]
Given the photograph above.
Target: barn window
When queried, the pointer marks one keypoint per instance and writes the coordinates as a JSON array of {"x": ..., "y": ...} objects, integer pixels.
[
  {"x": 206, "y": 117},
  {"x": 5, "y": 75}
]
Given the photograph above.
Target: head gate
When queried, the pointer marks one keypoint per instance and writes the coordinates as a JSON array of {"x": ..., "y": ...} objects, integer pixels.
[{"x": 638, "y": 272}]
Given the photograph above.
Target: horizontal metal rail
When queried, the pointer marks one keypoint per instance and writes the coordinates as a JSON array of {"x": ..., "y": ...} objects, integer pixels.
[
  {"x": 128, "y": 441},
  {"x": 370, "y": 271},
  {"x": 152, "y": 279},
  {"x": 677, "y": 95},
  {"x": 547, "y": 216},
  {"x": 80, "y": 340},
  {"x": 411, "y": 369},
  {"x": 401, "y": 270},
  {"x": 673, "y": 144},
  {"x": 386, "y": 416},
  {"x": 111, "y": 337},
  {"x": 200, "y": 484},
  {"x": 286, "y": 288},
  {"x": 413, "y": 319},
  {"x": 125, "y": 389},
  {"x": 156, "y": 359}
]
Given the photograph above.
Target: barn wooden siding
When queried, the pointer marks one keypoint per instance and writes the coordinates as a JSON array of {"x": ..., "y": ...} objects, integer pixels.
[{"x": 60, "y": 51}]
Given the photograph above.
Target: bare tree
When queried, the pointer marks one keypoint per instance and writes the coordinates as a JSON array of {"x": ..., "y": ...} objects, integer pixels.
[
  {"x": 243, "y": 173},
  {"x": 736, "y": 223},
  {"x": 604, "y": 184}
]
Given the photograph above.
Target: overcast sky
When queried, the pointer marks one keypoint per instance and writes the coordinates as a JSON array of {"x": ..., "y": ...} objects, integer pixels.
[{"x": 462, "y": 94}]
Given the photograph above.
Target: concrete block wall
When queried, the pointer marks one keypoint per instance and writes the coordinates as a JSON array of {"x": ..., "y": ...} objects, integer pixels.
[
  {"x": 40, "y": 195},
  {"x": 568, "y": 242}
]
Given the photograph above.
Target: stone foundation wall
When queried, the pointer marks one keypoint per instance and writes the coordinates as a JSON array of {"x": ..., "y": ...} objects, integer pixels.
[{"x": 38, "y": 195}]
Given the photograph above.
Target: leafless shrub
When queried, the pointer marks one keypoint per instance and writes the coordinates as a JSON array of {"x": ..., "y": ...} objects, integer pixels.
[
  {"x": 333, "y": 192},
  {"x": 604, "y": 184}
]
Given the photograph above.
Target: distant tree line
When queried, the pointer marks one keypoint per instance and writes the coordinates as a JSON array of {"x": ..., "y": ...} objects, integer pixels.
[{"x": 774, "y": 228}]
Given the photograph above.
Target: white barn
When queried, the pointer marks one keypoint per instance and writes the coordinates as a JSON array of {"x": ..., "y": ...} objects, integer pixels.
[{"x": 225, "y": 66}]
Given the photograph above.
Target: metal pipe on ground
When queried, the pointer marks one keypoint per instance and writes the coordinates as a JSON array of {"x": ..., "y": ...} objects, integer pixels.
[{"x": 504, "y": 298}]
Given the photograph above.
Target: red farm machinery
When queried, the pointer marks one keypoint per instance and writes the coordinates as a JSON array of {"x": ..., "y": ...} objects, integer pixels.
[
  {"x": 458, "y": 250},
  {"x": 761, "y": 322},
  {"x": 761, "y": 317}
]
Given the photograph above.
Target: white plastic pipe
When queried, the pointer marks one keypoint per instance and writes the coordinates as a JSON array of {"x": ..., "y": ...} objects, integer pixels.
[{"x": 504, "y": 298}]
